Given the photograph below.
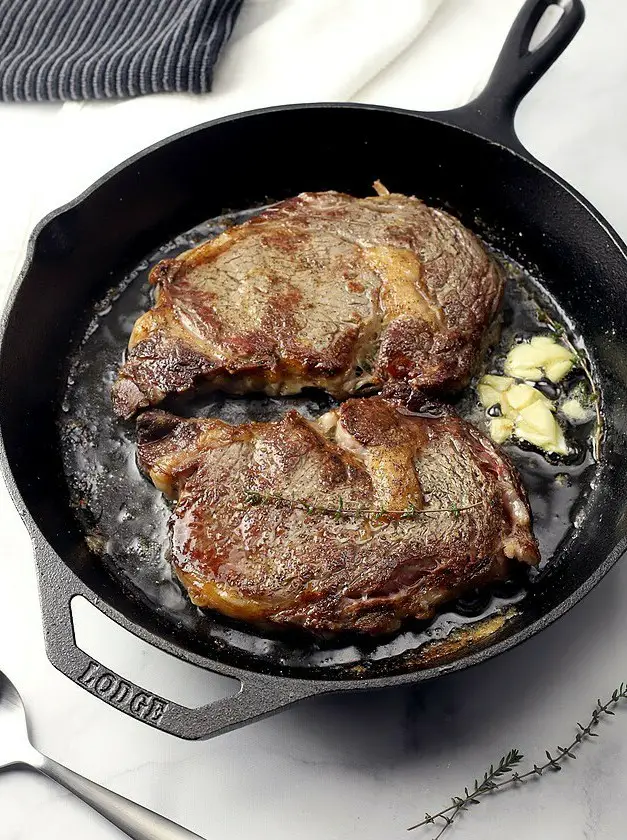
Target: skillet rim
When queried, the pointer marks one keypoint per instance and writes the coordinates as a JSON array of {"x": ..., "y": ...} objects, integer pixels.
[{"x": 44, "y": 554}]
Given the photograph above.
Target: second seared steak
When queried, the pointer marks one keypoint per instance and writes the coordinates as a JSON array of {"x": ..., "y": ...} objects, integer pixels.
[
  {"x": 375, "y": 513},
  {"x": 322, "y": 290}
]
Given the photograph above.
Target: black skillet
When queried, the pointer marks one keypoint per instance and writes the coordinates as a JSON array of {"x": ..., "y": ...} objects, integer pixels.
[{"x": 468, "y": 160}]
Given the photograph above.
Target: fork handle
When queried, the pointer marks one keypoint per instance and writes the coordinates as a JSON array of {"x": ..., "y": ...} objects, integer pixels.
[{"x": 138, "y": 822}]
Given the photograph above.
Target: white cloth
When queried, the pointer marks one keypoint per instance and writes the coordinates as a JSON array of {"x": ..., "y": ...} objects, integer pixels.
[{"x": 427, "y": 54}]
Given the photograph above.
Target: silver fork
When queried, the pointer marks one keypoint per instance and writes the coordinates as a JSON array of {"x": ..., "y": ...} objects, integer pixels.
[{"x": 16, "y": 749}]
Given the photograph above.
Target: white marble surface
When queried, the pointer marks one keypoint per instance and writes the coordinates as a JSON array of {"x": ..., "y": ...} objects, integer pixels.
[{"x": 362, "y": 766}]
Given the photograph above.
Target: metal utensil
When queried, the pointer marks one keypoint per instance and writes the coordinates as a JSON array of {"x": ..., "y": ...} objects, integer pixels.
[{"x": 16, "y": 749}]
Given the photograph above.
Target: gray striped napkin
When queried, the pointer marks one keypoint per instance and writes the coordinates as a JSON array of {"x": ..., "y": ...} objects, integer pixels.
[{"x": 54, "y": 50}]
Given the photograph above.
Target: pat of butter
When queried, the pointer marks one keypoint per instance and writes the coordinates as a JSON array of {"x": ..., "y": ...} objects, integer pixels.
[
  {"x": 536, "y": 424},
  {"x": 501, "y": 428},
  {"x": 573, "y": 410},
  {"x": 521, "y": 395},
  {"x": 542, "y": 356},
  {"x": 526, "y": 413}
]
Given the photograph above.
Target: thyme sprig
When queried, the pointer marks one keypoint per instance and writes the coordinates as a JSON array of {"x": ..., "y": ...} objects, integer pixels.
[
  {"x": 505, "y": 767},
  {"x": 340, "y": 511},
  {"x": 582, "y": 362}
]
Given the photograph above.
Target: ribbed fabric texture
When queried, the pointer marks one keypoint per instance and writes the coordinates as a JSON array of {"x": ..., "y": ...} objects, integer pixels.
[{"x": 53, "y": 50}]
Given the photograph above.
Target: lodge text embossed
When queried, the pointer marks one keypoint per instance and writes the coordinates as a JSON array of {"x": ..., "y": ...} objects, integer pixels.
[{"x": 119, "y": 693}]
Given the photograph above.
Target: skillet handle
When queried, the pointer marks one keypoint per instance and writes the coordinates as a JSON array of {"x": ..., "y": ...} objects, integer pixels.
[
  {"x": 259, "y": 695},
  {"x": 517, "y": 69}
]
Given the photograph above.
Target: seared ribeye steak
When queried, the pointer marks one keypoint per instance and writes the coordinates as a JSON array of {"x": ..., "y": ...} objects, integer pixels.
[
  {"x": 370, "y": 515},
  {"x": 321, "y": 290}
]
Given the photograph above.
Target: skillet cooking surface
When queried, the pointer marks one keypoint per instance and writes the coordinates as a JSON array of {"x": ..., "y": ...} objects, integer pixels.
[{"x": 124, "y": 516}]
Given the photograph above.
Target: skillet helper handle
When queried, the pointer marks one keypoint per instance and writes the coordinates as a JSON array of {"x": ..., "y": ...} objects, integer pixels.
[
  {"x": 258, "y": 696},
  {"x": 137, "y": 822},
  {"x": 517, "y": 69}
]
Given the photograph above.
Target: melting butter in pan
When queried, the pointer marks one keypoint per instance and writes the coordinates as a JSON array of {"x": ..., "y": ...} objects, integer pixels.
[
  {"x": 576, "y": 412},
  {"x": 524, "y": 412},
  {"x": 538, "y": 358},
  {"x": 518, "y": 408}
]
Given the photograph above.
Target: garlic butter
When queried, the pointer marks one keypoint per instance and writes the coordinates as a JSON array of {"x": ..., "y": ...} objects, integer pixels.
[
  {"x": 525, "y": 413},
  {"x": 540, "y": 357},
  {"x": 574, "y": 411}
]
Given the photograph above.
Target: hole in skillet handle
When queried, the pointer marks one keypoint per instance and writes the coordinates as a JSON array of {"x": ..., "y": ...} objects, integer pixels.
[
  {"x": 547, "y": 23},
  {"x": 160, "y": 673}
]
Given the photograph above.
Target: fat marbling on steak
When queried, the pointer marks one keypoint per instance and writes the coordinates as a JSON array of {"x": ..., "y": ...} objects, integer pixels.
[
  {"x": 322, "y": 290},
  {"x": 271, "y": 525}
]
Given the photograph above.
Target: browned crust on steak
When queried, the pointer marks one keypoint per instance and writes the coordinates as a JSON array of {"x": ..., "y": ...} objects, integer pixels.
[
  {"x": 276, "y": 564},
  {"x": 321, "y": 290}
]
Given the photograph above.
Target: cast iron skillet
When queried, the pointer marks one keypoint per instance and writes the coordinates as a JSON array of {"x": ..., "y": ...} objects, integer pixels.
[{"x": 469, "y": 160}]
